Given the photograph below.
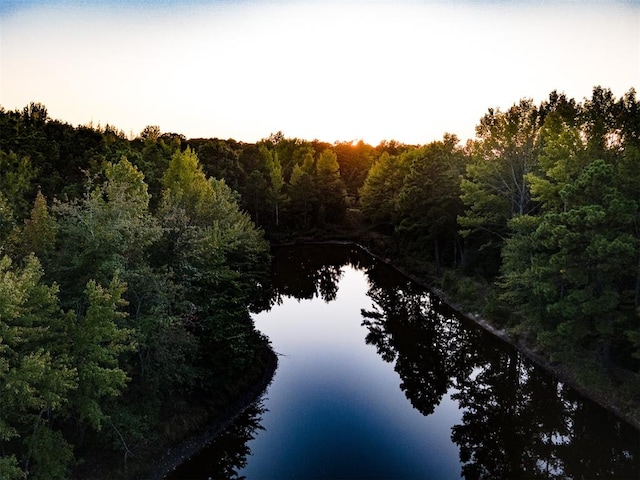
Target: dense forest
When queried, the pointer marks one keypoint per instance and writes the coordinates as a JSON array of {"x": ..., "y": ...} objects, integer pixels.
[
  {"x": 129, "y": 266},
  {"x": 543, "y": 207},
  {"x": 118, "y": 308}
]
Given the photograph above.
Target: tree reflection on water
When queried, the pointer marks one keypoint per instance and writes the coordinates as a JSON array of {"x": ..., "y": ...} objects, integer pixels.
[
  {"x": 518, "y": 421},
  {"x": 227, "y": 454}
]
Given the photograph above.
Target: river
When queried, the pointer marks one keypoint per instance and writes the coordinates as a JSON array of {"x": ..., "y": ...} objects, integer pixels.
[{"x": 378, "y": 379}]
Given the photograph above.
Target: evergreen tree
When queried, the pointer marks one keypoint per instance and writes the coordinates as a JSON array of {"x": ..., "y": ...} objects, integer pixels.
[
  {"x": 429, "y": 202},
  {"x": 276, "y": 195},
  {"x": 98, "y": 340},
  {"x": 39, "y": 231},
  {"x": 303, "y": 192},
  {"x": 379, "y": 193},
  {"x": 330, "y": 188},
  {"x": 16, "y": 177}
]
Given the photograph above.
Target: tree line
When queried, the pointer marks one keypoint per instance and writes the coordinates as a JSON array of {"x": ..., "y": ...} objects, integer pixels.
[
  {"x": 117, "y": 309},
  {"x": 128, "y": 265},
  {"x": 543, "y": 205}
]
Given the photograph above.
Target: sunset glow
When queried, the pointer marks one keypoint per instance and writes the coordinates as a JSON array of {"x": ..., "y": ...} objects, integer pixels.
[{"x": 408, "y": 71}]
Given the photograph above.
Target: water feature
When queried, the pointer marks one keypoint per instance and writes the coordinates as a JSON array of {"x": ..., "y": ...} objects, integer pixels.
[{"x": 378, "y": 379}]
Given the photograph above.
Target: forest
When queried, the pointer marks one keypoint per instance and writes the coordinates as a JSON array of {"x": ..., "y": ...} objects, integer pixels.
[{"x": 129, "y": 265}]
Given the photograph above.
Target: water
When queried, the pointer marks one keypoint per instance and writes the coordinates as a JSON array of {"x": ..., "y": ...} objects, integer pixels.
[{"x": 379, "y": 380}]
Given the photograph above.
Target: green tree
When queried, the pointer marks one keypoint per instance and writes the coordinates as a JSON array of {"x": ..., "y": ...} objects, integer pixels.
[
  {"x": 256, "y": 194},
  {"x": 291, "y": 152},
  {"x": 99, "y": 338},
  {"x": 303, "y": 193},
  {"x": 628, "y": 169},
  {"x": 276, "y": 195},
  {"x": 7, "y": 219},
  {"x": 355, "y": 162},
  {"x": 429, "y": 202},
  {"x": 186, "y": 187},
  {"x": 598, "y": 118},
  {"x": 109, "y": 234},
  {"x": 220, "y": 260},
  {"x": 152, "y": 159},
  {"x": 38, "y": 233},
  {"x": 127, "y": 211},
  {"x": 568, "y": 270},
  {"x": 562, "y": 157},
  {"x": 379, "y": 193},
  {"x": 108, "y": 230},
  {"x": 495, "y": 186},
  {"x": 330, "y": 188},
  {"x": 221, "y": 159},
  {"x": 37, "y": 374},
  {"x": 16, "y": 178}
]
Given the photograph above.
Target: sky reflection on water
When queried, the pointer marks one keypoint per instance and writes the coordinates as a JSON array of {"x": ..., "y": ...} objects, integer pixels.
[
  {"x": 335, "y": 409},
  {"x": 379, "y": 379}
]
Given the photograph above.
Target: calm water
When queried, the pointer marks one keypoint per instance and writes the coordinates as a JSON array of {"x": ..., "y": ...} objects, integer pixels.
[{"x": 377, "y": 379}]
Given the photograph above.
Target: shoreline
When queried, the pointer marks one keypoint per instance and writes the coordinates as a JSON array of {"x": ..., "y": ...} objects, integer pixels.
[
  {"x": 155, "y": 459},
  {"x": 565, "y": 375},
  {"x": 176, "y": 455}
]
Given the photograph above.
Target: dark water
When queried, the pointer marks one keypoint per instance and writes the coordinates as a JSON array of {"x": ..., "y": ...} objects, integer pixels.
[{"x": 379, "y": 380}]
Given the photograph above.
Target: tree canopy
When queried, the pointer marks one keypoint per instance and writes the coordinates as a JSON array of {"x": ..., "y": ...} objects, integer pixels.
[{"x": 128, "y": 265}]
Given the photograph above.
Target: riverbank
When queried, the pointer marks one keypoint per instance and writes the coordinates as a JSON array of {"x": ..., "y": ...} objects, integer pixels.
[
  {"x": 174, "y": 456},
  {"x": 206, "y": 424},
  {"x": 614, "y": 401},
  {"x": 185, "y": 433},
  {"x": 608, "y": 399}
]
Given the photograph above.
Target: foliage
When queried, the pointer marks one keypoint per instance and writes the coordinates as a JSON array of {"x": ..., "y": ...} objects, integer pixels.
[
  {"x": 330, "y": 188},
  {"x": 132, "y": 305},
  {"x": 302, "y": 192},
  {"x": 547, "y": 207},
  {"x": 98, "y": 341},
  {"x": 37, "y": 374},
  {"x": 429, "y": 202},
  {"x": 574, "y": 277},
  {"x": 128, "y": 265},
  {"x": 495, "y": 187},
  {"x": 38, "y": 235},
  {"x": 16, "y": 176},
  {"x": 566, "y": 269},
  {"x": 379, "y": 193},
  {"x": 355, "y": 161}
]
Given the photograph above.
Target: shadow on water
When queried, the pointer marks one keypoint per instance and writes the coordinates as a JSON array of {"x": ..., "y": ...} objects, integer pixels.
[
  {"x": 227, "y": 454},
  {"x": 517, "y": 421}
]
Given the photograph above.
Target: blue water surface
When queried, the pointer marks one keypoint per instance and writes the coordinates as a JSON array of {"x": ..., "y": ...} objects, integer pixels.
[{"x": 335, "y": 409}]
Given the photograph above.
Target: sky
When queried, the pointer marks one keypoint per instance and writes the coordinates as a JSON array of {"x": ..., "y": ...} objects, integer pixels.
[{"x": 331, "y": 70}]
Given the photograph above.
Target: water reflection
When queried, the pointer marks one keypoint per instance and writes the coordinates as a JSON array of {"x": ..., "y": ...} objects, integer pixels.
[
  {"x": 515, "y": 420},
  {"x": 302, "y": 273},
  {"x": 230, "y": 449},
  {"x": 518, "y": 421}
]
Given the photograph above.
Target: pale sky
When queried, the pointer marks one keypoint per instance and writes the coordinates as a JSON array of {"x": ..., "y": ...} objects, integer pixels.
[{"x": 328, "y": 70}]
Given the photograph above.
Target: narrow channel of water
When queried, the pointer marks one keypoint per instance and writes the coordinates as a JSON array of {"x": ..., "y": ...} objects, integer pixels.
[{"x": 379, "y": 380}]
